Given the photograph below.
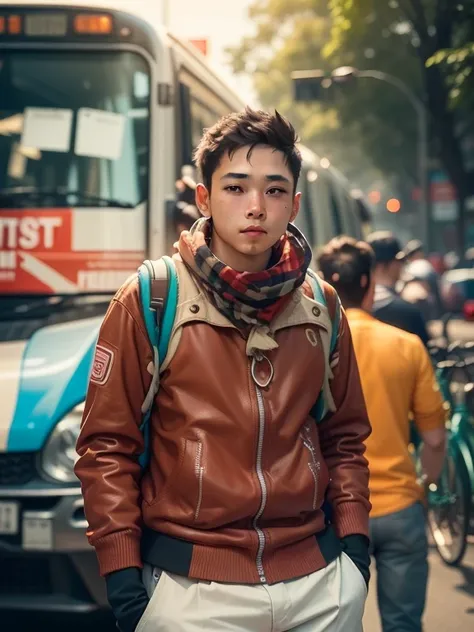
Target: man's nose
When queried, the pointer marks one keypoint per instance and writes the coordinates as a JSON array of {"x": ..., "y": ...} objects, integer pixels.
[{"x": 256, "y": 209}]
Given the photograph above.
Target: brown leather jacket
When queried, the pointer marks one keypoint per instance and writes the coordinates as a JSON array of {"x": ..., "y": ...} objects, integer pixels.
[{"x": 238, "y": 472}]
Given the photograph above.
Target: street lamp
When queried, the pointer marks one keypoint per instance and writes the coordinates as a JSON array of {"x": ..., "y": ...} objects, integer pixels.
[{"x": 344, "y": 73}]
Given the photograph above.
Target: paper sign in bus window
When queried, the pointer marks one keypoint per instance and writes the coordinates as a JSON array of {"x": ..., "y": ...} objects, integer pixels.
[
  {"x": 99, "y": 134},
  {"x": 47, "y": 129}
]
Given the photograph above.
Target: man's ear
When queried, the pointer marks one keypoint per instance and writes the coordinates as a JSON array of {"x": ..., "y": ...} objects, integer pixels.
[
  {"x": 296, "y": 207},
  {"x": 202, "y": 200}
]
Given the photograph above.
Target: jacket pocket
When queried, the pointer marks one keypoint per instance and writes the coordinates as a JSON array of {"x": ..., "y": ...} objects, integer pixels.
[
  {"x": 156, "y": 483},
  {"x": 199, "y": 474},
  {"x": 183, "y": 495},
  {"x": 355, "y": 572},
  {"x": 153, "y": 579},
  {"x": 189, "y": 482},
  {"x": 315, "y": 464}
]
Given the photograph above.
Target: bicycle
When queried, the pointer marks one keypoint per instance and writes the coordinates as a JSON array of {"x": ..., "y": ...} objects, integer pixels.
[{"x": 449, "y": 501}]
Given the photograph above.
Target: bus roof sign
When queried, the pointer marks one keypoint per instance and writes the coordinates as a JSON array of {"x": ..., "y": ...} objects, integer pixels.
[
  {"x": 46, "y": 24},
  {"x": 73, "y": 25}
]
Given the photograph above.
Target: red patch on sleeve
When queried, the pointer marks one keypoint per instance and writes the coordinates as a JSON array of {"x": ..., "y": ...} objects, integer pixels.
[{"x": 102, "y": 366}]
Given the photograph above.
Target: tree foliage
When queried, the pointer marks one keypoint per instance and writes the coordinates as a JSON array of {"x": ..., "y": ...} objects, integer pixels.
[
  {"x": 438, "y": 37},
  {"x": 428, "y": 44},
  {"x": 291, "y": 36}
]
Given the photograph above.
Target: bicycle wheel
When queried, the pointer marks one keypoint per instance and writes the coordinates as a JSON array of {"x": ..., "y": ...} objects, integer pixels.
[{"x": 449, "y": 509}]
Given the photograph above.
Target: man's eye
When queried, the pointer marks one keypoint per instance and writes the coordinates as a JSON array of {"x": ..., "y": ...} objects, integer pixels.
[
  {"x": 276, "y": 190},
  {"x": 233, "y": 188}
]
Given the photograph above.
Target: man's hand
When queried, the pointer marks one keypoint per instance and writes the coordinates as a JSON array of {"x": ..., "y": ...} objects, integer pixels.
[
  {"x": 357, "y": 548},
  {"x": 127, "y": 597},
  {"x": 433, "y": 454}
]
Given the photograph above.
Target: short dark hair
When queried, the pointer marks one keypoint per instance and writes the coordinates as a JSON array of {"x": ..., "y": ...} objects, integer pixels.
[
  {"x": 344, "y": 262},
  {"x": 248, "y": 128},
  {"x": 386, "y": 247}
]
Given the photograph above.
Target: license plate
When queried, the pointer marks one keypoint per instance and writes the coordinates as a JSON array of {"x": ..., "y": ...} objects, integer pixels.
[
  {"x": 9, "y": 518},
  {"x": 37, "y": 534}
]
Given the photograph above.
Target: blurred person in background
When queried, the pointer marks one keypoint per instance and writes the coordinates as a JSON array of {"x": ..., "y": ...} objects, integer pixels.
[
  {"x": 413, "y": 251},
  {"x": 397, "y": 381},
  {"x": 421, "y": 288},
  {"x": 388, "y": 306},
  {"x": 186, "y": 189},
  {"x": 184, "y": 216},
  {"x": 421, "y": 282},
  {"x": 185, "y": 212}
]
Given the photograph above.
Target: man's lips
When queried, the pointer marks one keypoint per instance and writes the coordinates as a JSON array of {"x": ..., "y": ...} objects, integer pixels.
[{"x": 254, "y": 229}]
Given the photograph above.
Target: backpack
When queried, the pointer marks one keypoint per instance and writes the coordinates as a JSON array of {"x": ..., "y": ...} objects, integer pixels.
[{"x": 158, "y": 288}]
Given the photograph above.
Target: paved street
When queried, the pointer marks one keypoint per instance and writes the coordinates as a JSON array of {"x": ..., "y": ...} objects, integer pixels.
[{"x": 450, "y": 606}]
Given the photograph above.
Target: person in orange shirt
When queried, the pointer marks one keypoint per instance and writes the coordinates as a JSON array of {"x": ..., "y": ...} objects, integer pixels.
[{"x": 397, "y": 381}]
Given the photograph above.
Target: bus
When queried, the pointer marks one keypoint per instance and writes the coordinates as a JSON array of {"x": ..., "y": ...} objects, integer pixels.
[{"x": 100, "y": 110}]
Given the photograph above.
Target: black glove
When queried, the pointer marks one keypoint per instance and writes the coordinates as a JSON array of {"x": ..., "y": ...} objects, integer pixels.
[
  {"x": 357, "y": 548},
  {"x": 127, "y": 597}
]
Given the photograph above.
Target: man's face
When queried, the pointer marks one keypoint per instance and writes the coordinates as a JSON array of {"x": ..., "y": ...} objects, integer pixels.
[{"x": 251, "y": 202}]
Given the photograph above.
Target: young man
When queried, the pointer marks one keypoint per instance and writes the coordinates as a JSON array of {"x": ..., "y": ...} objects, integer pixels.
[
  {"x": 397, "y": 379},
  {"x": 226, "y": 520},
  {"x": 388, "y": 306}
]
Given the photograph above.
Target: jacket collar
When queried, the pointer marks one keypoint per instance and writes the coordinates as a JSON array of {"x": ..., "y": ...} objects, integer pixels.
[{"x": 194, "y": 305}]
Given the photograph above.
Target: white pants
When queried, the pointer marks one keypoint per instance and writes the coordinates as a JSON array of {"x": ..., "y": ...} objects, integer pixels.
[{"x": 330, "y": 600}]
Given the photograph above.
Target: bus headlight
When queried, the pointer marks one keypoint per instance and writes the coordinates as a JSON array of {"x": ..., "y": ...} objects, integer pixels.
[{"x": 59, "y": 454}]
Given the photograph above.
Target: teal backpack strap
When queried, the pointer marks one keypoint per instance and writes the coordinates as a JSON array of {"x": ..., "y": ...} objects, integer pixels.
[
  {"x": 145, "y": 276},
  {"x": 318, "y": 295},
  {"x": 169, "y": 312},
  {"x": 319, "y": 411},
  {"x": 158, "y": 288},
  {"x": 336, "y": 321}
]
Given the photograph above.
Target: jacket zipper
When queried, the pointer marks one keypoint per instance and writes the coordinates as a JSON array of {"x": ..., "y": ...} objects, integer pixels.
[
  {"x": 199, "y": 471},
  {"x": 314, "y": 466},
  {"x": 263, "y": 486}
]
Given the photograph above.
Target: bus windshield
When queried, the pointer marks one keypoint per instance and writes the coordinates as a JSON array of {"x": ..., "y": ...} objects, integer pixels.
[
  {"x": 74, "y": 164},
  {"x": 74, "y": 129}
]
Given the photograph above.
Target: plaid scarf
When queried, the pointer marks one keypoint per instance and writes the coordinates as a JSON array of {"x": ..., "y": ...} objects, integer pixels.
[{"x": 247, "y": 298}]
